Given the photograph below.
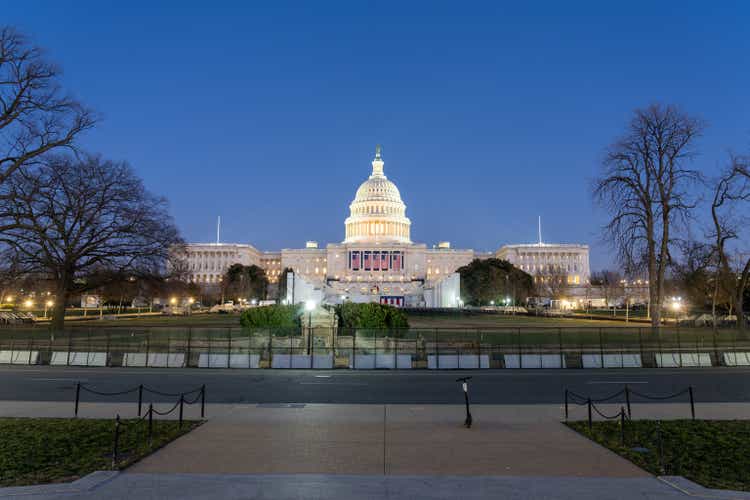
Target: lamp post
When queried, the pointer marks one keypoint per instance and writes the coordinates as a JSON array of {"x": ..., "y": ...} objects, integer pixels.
[
  {"x": 309, "y": 307},
  {"x": 47, "y": 305},
  {"x": 190, "y": 305}
]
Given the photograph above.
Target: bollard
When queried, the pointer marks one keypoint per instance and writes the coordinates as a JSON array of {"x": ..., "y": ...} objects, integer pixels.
[
  {"x": 566, "y": 404},
  {"x": 203, "y": 401},
  {"x": 589, "y": 403},
  {"x": 465, "y": 386},
  {"x": 182, "y": 401},
  {"x": 692, "y": 402},
  {"x": 78, "y": 396},
  {"x": 140, "y": 398},
  {"x": 627, "y": 400},
  {"x": 117, "y": 441},
  {"x": 622, "y": 426},
  {"x": 150, "y": 424}
]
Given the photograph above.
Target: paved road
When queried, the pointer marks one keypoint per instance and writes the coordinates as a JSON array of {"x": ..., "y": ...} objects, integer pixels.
[{"x": 376, "y": 387}]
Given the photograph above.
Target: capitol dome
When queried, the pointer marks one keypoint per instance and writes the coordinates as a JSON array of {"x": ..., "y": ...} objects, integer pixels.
[{"x": 377, "y": 213}]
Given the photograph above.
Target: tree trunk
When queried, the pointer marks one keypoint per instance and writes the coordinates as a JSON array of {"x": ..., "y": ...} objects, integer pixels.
[{"x": 58, "y": 311}]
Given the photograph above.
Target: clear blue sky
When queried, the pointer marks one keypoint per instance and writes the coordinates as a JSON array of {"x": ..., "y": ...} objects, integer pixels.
[{"x": 489, "y": 114}]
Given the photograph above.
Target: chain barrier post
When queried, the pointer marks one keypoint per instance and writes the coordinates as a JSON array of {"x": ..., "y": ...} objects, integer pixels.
[
  {"x": 692, "y": 402},
  {"x": 203, "y": 401},
  {"x": 622, "y": 426},
  {"x": 117, "y": 441},
  {"x": 140, "y": 399},
  {"x": 627, "y": 399},
  {"x": 182, "y": 401},
  {"x": 589, "y": 404},
  {"x": 78, "y": 396},
  {"x": 566, "y": 404},
  {"x": 150, "y": 424}
]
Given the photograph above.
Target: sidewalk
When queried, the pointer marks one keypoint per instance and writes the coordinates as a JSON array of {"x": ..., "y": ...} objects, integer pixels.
[
  {"x": 345, "y": 487},
  {"x": 376, "y": 451}
]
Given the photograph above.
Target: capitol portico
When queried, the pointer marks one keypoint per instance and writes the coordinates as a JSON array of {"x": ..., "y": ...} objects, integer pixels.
[{"x": 377, "y": 261}]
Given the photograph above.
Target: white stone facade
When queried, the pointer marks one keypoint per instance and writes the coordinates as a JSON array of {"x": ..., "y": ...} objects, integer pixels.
[{"x": 545, "y": 260}]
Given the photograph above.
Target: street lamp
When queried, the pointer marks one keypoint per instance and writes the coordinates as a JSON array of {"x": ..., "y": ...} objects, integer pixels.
[
  {"x": 309, "y": 307},
  {"x": 190, "y": 305},
  {"x": 29, "y": 303},
  {"x": 47, "y": 305}
]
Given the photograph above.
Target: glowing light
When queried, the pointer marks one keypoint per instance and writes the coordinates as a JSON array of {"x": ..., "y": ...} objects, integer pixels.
[
  {"x": 310, "y": 305},
  {"x": 191, "y": 300},
  {"x": 29, "y": 303},
  {"x": 50, "y": 303},
  {"x": 173, "y": 300}
]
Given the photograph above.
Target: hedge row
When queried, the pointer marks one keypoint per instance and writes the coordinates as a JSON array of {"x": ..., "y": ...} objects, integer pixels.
[{"x": 351, "y": 315}]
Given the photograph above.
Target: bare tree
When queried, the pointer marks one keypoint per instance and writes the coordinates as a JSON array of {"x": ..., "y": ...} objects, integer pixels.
[
  {"x": 36, "y": 117},
  {"x": 610, "y": 284},
  {"x": 72, "y": 218},
  {"x": 645, "y": 187},
  {"x": 731, "y": 191}
]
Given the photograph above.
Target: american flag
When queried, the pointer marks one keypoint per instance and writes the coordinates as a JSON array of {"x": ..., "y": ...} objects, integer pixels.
[
  {"x": 396, "y": 262},
  {"x": 355, "y": 260},
  {"x": 384, "y": 261},
  {"x": 367, "y": 260}
]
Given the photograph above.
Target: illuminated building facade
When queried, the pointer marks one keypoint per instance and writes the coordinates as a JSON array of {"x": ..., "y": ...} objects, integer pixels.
[{"x": 376, "y": 261}]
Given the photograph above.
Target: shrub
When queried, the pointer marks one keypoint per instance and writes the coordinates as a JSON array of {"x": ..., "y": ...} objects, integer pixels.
[
  {"x": 370, "y": 315},
  {"x": 275, "y": 315}
]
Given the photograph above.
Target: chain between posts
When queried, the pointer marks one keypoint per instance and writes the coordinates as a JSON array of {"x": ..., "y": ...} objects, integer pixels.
[{"x": 578, "y": 399}]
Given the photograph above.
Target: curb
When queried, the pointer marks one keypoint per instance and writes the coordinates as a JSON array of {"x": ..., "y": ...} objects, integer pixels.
[
  {"x": 692, "y": 489},
  {"x": 86, "y": 483}
]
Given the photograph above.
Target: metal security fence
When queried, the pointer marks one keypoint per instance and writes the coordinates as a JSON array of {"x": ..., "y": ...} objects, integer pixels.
[{"x": 412, "y": 348}]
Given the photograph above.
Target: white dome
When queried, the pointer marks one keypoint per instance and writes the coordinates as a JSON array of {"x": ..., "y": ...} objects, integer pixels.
[{"x": 377, "y": 212}]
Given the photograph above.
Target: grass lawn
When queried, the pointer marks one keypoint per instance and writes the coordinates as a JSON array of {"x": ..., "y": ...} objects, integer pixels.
[
  {"x": 714, "y": 453},
  {"x": 51, "y": 450}
]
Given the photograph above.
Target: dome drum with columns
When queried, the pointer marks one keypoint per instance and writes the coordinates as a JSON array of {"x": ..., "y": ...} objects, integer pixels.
[{"x": 377, "y": 213}]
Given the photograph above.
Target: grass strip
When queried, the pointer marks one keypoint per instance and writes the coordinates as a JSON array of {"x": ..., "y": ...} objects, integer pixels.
[
  {"x": 52, "y": 450},
  {"x": 713, "y": 453}
]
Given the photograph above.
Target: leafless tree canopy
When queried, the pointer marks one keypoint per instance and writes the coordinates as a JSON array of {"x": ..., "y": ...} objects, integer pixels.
[
  {"x": 729, "y": 208},
  {"x": 645, "y": 186},
  {"x": 71, "y": 217},
  {"x": 35, "y": 116}
]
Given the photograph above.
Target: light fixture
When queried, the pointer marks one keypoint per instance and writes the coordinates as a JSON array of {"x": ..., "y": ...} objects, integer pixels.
[{"x": 310, "y": 305}]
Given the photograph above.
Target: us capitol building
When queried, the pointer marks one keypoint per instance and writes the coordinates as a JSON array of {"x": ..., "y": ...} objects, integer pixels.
[{"x": 377, "y": 261}]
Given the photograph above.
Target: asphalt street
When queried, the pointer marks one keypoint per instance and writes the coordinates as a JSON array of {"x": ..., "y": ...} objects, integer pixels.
[{"x": 45, "y": 383}]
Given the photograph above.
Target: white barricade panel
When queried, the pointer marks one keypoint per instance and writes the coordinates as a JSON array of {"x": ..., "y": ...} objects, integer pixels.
[
  {"x": 363, "y": 362},
  {"x": 281, "y": 361},
  {"x": 473, "y": 362},
  {"x": 6, "y": 357},
  {"x": 166, "y": 360},
  {"x": 403, "y": 362},
  {"x": 59, "y": 358},
  {"x": 301, "y": 361},
  {"x": 534, "y": 361},
  {"x": 244, "y": 360},
  {"x": 611, "y": 360},
  {"x": 323, "y": 361},
  {"x": 82, "y": 358},
  {"x": 677, "y": 359},
  {"x": 442, "y": 361},
  {"x": 137, "y": 359},
  {"x": 732, "y": 358},
  {"x": 24, "y": 357}
]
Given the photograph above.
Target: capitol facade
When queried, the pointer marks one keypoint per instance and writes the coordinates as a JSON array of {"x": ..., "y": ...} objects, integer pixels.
[{"x": 377, "y": 260}]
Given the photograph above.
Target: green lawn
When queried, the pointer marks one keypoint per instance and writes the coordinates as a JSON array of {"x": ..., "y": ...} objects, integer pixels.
[
  {"x": 51, "y": 450},
  {"x": 714, "y": 453}
]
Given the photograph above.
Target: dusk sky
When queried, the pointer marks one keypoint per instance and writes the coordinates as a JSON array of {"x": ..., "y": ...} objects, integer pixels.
[{"x": 489, "y": 115}]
